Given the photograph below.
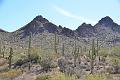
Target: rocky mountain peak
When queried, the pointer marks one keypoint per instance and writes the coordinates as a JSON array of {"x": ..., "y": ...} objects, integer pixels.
[
  {"x": 40, "y": 19},
  {"x": 106, "y": 20},
  {"x": 84, "y": 24}
]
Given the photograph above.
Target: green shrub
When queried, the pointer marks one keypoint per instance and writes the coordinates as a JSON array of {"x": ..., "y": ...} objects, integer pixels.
[
  {"x": 116, "y": 51},
  {"x": 103, "y": 52}
]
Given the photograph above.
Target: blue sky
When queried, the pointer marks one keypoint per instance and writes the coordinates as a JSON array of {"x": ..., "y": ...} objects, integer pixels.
[{"x": 68, "y": 13}]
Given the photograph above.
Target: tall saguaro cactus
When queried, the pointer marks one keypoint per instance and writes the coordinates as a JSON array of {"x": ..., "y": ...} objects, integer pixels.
[
  {"x": 76, "y": 52},
  {"x": 93, "y": 56},
  {"x": 0, "y": 48},
  {"x": 3, "y": 52},
  {"x": 97, "y": 47},
  {"x": 29, "y": 51},
  {"x": 10, "y": 57},
  {"x": 55, "y": 42},
  {"x": 63, "y": 49}
]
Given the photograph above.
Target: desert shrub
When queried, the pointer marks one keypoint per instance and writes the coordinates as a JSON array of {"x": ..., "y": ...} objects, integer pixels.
[
  {"x": 115, "y": 61},
  {"x": 47, "y": 60},
  {"x": 46, "y": 64},
  {"x": 103, "y": 52},
  {"x": 95, "y": 77},
  {"x": 116, "y": 51}
]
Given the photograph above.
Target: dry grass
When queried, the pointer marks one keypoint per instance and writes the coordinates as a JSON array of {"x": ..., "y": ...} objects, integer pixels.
[
  {"x": 56, "y": 76},
  {"x": 10, "y": 74}
]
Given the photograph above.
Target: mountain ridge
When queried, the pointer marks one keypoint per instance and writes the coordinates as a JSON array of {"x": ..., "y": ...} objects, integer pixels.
[
  {"x": 41, "y": 17},
  {"x": 106, "y": 28}
]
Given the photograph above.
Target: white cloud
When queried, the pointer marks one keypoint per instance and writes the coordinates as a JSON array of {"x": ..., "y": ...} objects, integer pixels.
[{"x": 73, "y": 16}]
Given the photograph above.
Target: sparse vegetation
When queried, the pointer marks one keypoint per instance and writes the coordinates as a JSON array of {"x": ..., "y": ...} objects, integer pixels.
[{"x": 57, "y": 57}]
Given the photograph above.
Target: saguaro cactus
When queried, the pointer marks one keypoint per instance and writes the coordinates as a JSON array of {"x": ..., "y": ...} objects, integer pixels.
[
  {"x": 0, "y": 48},
  {"x": 29, "y": 51},
  {"x": 10, "y": 57},
  {"x": 55, "y": 42},
  {"x": 76, "y": 52},
  {"x": 93, "y": 56},
  {"x": 63, "y": 49},
  {"x": 3, "y": 52},
  {"x": 97, "y": 48}
]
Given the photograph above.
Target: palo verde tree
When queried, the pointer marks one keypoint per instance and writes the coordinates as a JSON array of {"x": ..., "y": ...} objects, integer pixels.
[{"x": 10, "y": 57}]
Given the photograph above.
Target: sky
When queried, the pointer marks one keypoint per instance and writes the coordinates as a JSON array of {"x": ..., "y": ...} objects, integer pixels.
[{"x": 15, "y": 14}]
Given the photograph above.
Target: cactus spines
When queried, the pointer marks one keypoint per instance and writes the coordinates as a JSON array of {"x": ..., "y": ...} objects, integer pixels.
[{"x": 10, "y": 57}]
